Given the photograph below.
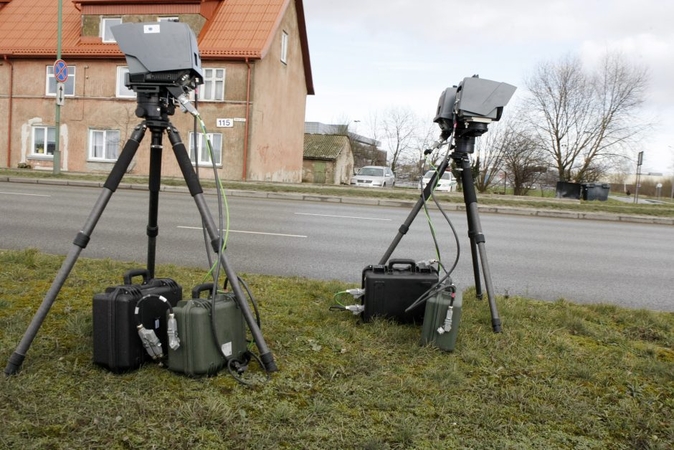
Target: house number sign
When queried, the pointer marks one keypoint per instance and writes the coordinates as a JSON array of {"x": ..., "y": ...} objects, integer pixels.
[{"x": 224, "y": 123}]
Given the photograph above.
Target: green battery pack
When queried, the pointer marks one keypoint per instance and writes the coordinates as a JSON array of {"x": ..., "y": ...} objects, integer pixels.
[
  {"x": 198, "y": 353},
  {"x": 441, "y": 319}
]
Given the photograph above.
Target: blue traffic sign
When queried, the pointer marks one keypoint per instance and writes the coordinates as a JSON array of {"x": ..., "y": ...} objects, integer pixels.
[{"x": 60, "y": 71}]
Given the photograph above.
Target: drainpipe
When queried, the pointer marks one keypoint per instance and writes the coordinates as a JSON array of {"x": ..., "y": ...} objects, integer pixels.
[
  {"x": 9, "y": 113},
  {"x": 245, "y": 137}
]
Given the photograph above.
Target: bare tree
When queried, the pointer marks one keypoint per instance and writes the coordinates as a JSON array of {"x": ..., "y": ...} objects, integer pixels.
[
  {"x": 489, "y": 154},
  {"x": 585, "y": 120},
  {"x": 523, "y": 160},
  {"x": 398, "y": 127}
]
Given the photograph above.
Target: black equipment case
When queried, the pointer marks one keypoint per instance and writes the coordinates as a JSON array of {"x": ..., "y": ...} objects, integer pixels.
[
  {"x": 117, "y": 345},
  {"x": 198, "y": 353},
  {"x": 392, "y": 288}
]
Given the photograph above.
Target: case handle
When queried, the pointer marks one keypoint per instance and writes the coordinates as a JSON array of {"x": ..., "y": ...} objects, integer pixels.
[
  {"x": 134, "y": 273},
  {"x": 408, "y": 262},
  {"x": 197, "y": 290}
]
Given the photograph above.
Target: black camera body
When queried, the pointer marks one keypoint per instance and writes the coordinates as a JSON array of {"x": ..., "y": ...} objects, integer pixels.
[{"x": 467, "y": 109}]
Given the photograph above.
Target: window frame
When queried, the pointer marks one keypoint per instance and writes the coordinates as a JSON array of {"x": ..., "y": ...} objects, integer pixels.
[
  {"x": 201, "y": 143},
  {"x": 69, "y": 85},
  {"x": 209, "y": 94},
  {"x": 90, "y": 146},
  {"x": 102, "y": 28},
  {"x": 45, "y": 154},
  {"x": 121, "y": 91}
]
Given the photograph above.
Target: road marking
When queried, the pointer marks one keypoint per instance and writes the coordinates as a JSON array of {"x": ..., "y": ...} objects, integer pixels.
[
  {"x": 342, "y": 217},
  {"x": 252, "y": 232},
  {"x": 28, "y": 195}
]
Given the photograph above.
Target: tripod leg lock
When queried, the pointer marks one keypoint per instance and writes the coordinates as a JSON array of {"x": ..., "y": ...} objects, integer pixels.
[
  {"x": 403, "y": 229},
  {"x": 478, "y": 238},
  {"x": 152, "y": 231},
  {"x": 81, "y": 240}
]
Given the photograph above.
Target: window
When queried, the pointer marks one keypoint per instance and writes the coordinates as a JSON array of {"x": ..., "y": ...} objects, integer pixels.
[
  {"x": 122, "y": 91},
  {"x": 168, "y": 19},
  {"x": 284, "y": 48},
  {"x": 106, "y": 23},
  {"x": 203, "y": 155},
  {"x": 44, "y": 141},
  {"x": 214, "y": 85},
  {"x": 69, "y": 84},
  {"x": 103, "y": 145}
]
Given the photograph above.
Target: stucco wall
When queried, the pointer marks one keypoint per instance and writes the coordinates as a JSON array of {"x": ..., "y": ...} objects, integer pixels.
[
  {"x": 279, "y": 102},
  {"x": 95, "y": 106}
]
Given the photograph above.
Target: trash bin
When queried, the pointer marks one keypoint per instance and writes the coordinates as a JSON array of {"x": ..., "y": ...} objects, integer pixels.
[
  {"x": 595, "y": 191},
  {"x": 588, "y": 191},
  {"x": 566, "y": 189}
]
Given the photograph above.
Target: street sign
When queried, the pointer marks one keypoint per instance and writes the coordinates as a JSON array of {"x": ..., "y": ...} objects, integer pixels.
[
  {"x": 60, "y": 93},
  {"x": 60, "y": 71}
]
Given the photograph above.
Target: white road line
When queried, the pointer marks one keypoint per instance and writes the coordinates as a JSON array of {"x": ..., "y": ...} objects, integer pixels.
[
  {"x": 252, "y": 232},
  {"x": 342, "y": 217},
  {"x": 27, "y": 195}
]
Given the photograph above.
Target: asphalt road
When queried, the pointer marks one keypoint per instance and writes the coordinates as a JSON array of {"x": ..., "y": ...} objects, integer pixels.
[{"x": 580, "y": 260}]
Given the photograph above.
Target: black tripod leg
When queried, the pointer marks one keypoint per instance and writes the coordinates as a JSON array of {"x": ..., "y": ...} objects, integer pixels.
[
  {"x": 153, "y": 213},
  {"x": 80, "y": 242},
  {"x": 470, "y": 198},
  {"x": 197, "y": 193},
  {"x": 425, "y": 195},
  {"x": 477, "y": 239}
]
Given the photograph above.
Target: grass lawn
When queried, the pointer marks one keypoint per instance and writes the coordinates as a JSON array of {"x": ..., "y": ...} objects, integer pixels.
[{"x": 561, "y": 375}]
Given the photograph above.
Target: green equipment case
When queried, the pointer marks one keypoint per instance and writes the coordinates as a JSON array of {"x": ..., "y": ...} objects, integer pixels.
[
  {"x": 441, "y": 319},
  {"x": 198, "y": 354}
]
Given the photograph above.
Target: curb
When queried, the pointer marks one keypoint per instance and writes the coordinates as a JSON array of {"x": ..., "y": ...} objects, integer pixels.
[{"x": 485, "y": 209}]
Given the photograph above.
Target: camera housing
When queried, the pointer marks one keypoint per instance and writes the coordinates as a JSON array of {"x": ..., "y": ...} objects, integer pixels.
[
  {"x": 160, "y": 54},
  {"x": 468, "y": 108}
]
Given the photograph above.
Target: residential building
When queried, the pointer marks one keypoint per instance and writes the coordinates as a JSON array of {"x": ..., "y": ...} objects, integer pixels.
[{"x": 257, "y": 74}]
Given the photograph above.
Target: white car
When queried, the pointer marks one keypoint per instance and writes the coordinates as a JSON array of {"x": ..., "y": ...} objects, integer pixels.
[
  {"x": 447, "y": 183},
  {"x": 374, "y": 176}
]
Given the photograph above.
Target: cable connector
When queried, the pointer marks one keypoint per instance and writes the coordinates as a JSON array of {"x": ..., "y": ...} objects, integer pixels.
[
  {"x": 172, "y": 332},
  {"x": 356, "y": 293},
  {"x": 355, "y": 309},
  {"x": 151, "y": 342},
  {"x": 426, "y": 263},
  {"x": 186, "y": 105},
  {"x": 447, "y": 326}
]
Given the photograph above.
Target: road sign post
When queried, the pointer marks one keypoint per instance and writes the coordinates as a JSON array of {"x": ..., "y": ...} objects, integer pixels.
[{"x": 61, "y": 76}]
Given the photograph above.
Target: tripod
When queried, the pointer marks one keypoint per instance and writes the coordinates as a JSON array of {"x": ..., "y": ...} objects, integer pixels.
[
  {"x": 464, "y": 145},
  {"x": 154, "y": 107}
]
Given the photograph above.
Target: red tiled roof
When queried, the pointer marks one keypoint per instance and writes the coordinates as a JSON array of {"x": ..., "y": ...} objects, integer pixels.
[{"x": 237, "y": 29}]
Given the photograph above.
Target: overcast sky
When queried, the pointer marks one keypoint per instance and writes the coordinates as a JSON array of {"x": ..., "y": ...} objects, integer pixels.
[{"x": 368, "y": 55}]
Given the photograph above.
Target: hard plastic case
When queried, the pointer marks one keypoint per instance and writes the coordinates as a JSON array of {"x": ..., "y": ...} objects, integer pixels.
[
  {"x": 390, "y": 289},
  {"x": 117, "y": 346},
  {"x": 198, "y": 353},
  {"x": 436, "y": 329}
]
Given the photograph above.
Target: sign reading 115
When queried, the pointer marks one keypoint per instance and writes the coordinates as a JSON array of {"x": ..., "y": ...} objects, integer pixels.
[{"x": 224, "y": 123}]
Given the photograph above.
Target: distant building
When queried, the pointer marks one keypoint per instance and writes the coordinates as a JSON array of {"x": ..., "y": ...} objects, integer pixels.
[
  {"x": 328, "y": 159},
  {"x": 255, "y": 60},
  {"x": 365, "y": 150}
]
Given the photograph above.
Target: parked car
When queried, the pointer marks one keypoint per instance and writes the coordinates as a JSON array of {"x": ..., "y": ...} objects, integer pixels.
[
  {"x": 446, "y": 183},
  {"x": 374, "y": 176}
]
